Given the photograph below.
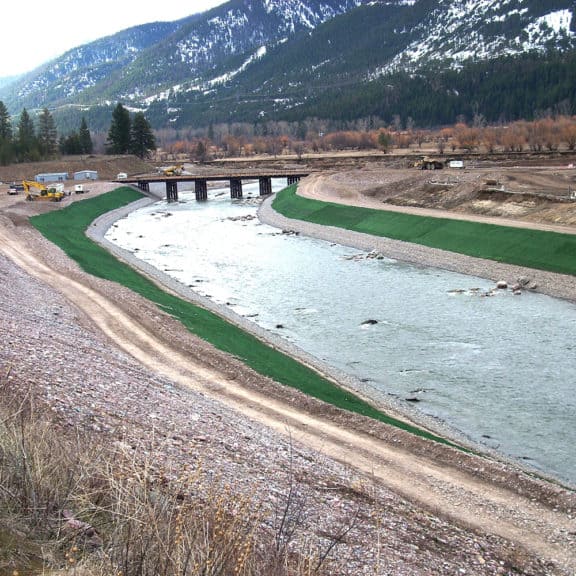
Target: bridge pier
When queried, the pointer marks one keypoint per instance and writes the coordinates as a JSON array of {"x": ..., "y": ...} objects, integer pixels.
[
  {"x": 235, "y": 188},
  {"x": 293, "y": 180},
  {"x": 201, "y": 189},
  {"x": 171, "y": 191},
  {"x": 265, "y": 185},
  {"x": 201, "y": 180}
]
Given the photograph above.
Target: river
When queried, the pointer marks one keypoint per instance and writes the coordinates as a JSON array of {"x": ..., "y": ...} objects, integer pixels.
[{"x": 496, "y": 367}]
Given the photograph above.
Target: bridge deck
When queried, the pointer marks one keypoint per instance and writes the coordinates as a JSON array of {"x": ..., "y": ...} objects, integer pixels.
[
  {"x": 200, "y": 180},
  {"x": 213, "y": 177}
]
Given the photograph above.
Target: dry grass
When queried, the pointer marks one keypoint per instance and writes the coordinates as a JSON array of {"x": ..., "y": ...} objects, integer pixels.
[{"x": 69, "y": 505}]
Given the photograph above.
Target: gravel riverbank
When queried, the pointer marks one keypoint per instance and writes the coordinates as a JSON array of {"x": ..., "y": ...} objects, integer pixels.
[
  {"x": 552, "y": 284},
  {"x": 53, "y": 348}
]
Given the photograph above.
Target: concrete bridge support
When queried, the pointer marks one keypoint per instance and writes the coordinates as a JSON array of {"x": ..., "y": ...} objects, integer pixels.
[
  {"x": 144, "y": 186},
  {"x": 235, "y": 188},
  {"x": 265, "y": 185},
  {"x": 171, "y": 191},
  {"x": 201, "y": 189},
  {"x": 293, "y": 180}
]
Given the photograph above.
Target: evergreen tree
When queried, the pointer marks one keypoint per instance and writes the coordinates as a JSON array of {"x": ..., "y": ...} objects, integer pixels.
[
  {"x": 27, "y": 143},
  {"x": 142, "y": 140},
  {"x": 6, "y": 143},
  {"x": 85, "y": 140},
  {"x": 118, "y": 141},
  {"x": 5, "y": 124},
  {"x": 47, "y": 135},
  {"x": 201, "y": 151},
  {"x": 6, "y": 153},
  {"x": 71, "y": 144},
  {"x": 384, "y": 141}
]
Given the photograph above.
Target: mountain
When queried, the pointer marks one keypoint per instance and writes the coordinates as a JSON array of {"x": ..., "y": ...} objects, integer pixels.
[{"x": 257, "y": 60}]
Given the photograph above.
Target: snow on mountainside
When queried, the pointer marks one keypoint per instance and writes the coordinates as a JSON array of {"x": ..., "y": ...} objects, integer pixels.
[
  {"x": 287, "y": 52},
  {"x": 458, "y": 30},
  {"x": 87, "y": 65},
  {"x": 247, "y": 25}
]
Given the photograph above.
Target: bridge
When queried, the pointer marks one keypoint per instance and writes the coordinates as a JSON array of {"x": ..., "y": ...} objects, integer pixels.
[{"x": 201, "y": 180}]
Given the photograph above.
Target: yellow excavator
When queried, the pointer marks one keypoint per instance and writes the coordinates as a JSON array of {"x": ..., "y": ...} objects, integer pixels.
[
  {"x": 37, "y": 191},
  {"x": 176, "y": 170}
]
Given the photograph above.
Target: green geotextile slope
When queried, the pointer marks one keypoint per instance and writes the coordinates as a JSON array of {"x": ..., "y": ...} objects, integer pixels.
[
  {"x": 531, "y": 248},
  {"x": 67, "y": 227}
]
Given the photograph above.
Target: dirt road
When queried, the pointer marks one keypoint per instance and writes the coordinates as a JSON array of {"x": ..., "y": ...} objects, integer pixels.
[
  {"x": 475, "y": 493},
  {"x": 451, "y": 194}
]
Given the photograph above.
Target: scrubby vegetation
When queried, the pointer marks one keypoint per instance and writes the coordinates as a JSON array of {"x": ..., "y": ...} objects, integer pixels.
[{"x": 72, "y": 506}]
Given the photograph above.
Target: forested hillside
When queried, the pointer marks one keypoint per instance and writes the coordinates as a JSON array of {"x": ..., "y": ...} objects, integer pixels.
[{"x": 426, "y": 62}]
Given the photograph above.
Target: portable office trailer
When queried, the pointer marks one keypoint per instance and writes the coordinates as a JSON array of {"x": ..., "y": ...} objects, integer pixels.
[
  {"x": 86, "y": 175},
  {"x": 52, "y": 177}
]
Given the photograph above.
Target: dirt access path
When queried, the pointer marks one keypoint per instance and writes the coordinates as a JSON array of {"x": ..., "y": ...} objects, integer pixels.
[
  {"x": 455, "y": 194},
  {"x": 473, "y": 492}
]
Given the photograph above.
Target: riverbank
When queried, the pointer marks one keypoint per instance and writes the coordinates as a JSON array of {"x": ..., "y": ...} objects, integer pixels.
[
  {"x": 469, "y": 373},
  {"x": 398, "y": 413},
  {"x": 112, "y": 363},
  {"x": 550, "y": 283}
]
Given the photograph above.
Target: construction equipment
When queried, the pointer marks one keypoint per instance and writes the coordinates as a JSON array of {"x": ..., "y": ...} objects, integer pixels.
[
  {"x": 175, "y": 170},
  {"x": 36, "y": 191},
  {"x": 428, "y": 163}
]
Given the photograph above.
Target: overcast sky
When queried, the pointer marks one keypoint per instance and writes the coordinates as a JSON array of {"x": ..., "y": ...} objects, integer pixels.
[{"x": 36, "y": 32}]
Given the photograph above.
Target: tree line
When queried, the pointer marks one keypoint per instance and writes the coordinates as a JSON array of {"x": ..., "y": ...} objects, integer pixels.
[
  {"x": 131, "y": 134},
  {"x": 503, "y": 89},
  {"x": 37, "y": 139},
  {"x": 547, "y": 134}
]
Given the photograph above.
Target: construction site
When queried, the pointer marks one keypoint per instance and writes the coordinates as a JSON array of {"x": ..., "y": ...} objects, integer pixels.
[{"x": 129, "y": 376}]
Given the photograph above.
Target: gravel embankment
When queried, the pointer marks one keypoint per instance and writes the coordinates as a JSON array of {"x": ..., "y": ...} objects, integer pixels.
[
  {"x": 52, "y": 349},
  {"x": 557, "y": 285}
]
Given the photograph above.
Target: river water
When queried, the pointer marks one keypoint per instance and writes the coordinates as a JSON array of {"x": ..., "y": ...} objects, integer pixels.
[{"x": 496, "y": 367}]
